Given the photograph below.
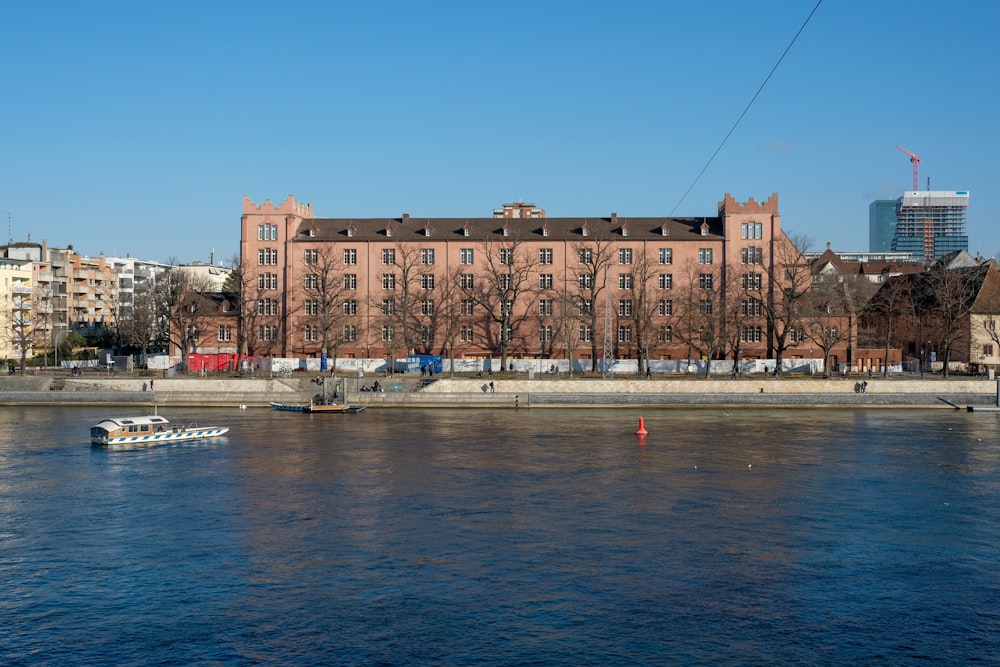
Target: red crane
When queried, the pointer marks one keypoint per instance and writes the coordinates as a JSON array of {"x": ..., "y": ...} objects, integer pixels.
[{"x": 916, "y": 161}]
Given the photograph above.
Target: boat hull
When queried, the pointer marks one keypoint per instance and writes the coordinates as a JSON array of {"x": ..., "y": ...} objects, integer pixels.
[
  {"x": 162, "y": 437},
  {"x": 318, "y": 408}
]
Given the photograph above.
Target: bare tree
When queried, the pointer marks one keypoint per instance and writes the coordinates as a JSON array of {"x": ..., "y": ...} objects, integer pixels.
[
  {"x": 180, "y": 311},
  {"x": 322, "y": 306},
  {"x": 645, "y": 307},
  {"x": 825, "y": 316},
  {"x": 950, "y": 296},
  {"x": 594, "y": 258},
  {"x": 142, "y": 325}
]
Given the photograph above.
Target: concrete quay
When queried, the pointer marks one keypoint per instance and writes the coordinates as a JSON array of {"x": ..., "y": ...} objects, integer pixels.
[{"x": 507, "y": 392}]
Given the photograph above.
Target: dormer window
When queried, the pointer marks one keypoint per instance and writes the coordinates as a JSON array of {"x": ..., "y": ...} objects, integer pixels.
[
  {"x": 388, "y": 231},
  {"x": 585, "y": 230},
  {"x": 465, "y": 230},
  {"x": 506, "y": 230},
  {"x": 664, "y": 230},
  {"x": 624, "y": 230},
  {"x": 350, "y": 232},
  {"x": 427, "y": 230},
  {"x": 545, "y": 230},
  {"x": 312, "y": 231}
]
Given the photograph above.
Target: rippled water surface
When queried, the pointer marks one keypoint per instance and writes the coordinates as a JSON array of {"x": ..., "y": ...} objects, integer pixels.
[{"x": 464, "y": 537}]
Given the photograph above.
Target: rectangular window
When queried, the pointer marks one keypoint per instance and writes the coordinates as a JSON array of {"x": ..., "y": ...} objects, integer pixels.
[
  {"x": 751, "y": 307},
  {"x": 586, "y": 255},
  {"x": 225, "y": 332},
  {"x": 624, "y": 333},
  {"x": 350, "y": 333},
  {"x": 466, "y": 281},
  {"x": 987, "y": 350},
  {"x": 310, "y": 281},
  {"x": 427, "y": 307},
  {"x": 625, "y": 307},
  {"x": 666, "y": 255},
  {"x": 665, "y": 334},
  {"x": 666, "y": 281},
  {"x": 586, "y": 334},
  {"x": 545, "y": 255},
  {"x": 752, "y": 230},
  {"x": 350, "y": 281},
  {"x": 752, "y": 334},
  {"x": 625, "y": 255},
  {"x": 544, "y": 307},
  {"x": 465, "y": 333},
  {"x": 545, "y": 281},
  {"x": 267, "y": 332},
  {"x": 312, "y": 257},
  {"x": 752, "y": 281},
  {"x": 467, "y": 256},
  {"x": 624, "y": 281},
  {"x": 467, "y": 307},
  {"x": 506, "y": 256},
  {"x": 705, "y": 281},
  {"x": 388, "y": 333},
  {"x": 267, "y": 281},
  {"x": 310, "y": 334},
  {"x": 427, "y": 255},
  {"x": 350, "y": 307},
  {"x": 752, "y": 255},
  {"x": 267, "y": 232},
  {"x": 586, "y": 306},
  {"x": 704, "y": 255},
  {"x": 545, "y": 333},
  {"x": 586, "y": 280},
  {"x": 311, "y": 307},
  {"x": 388, "y": 256},
  {"x": 388, "y": 281},
  {"x": 388, "y": 306},
  {"x": 705, "y": 307},
  {"x": 504, "y": 281},
  {"x": 666, "y": 307},
  {"x": 350, "y": 256},
  {"x": 427, "y": 281}
]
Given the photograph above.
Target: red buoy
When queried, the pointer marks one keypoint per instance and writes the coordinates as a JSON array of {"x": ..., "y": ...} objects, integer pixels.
[{"x": 642, "y": 427}]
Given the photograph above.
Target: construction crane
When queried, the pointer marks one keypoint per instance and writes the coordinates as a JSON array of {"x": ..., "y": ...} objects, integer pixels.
[{"x": 916, "y": 161}]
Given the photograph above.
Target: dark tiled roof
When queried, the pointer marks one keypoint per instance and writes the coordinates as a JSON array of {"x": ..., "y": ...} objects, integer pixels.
[{"x": 482, "y": 229}]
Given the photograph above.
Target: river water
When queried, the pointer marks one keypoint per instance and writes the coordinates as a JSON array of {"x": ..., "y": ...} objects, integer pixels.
[{"x": 474, "y": 537}]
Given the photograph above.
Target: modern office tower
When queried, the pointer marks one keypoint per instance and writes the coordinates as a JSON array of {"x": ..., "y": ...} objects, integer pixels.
[
  {"x": 881, "y": 224},
  {"x": 931, "y": 223}
]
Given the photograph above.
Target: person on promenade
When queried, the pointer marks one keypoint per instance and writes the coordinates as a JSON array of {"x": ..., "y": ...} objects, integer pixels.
[{"x": 492, "y": 389}]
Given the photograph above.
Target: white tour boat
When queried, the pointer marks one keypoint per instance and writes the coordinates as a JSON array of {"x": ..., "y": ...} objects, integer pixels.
[{"x": 148, "y": 429}]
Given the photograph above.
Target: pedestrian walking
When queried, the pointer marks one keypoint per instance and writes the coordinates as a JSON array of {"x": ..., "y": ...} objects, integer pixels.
[{"x": 492, "y": 390}]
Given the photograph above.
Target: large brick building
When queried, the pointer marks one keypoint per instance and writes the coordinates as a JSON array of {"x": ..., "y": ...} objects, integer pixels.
[{"x": 516, "y": 284}]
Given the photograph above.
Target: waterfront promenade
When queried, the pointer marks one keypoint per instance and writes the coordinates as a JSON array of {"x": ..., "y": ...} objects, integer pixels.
[{"x": 507, "y": 391}]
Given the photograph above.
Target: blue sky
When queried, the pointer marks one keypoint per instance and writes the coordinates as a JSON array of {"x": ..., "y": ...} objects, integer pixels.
[{"x": 136, "y": 128}]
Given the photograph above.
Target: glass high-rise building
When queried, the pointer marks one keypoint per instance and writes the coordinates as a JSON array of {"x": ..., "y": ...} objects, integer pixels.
[
  {"x": 931, "y": 223},
  {"x": 881, "y": 224}
]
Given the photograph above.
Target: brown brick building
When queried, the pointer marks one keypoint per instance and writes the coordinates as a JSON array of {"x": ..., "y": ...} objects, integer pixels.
[{"x": 518, "y": 284}]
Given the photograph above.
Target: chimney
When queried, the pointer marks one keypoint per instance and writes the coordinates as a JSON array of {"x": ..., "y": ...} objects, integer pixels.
[
  {"x": 406, "y": 217},
  {"x": 614, "y": 218}
]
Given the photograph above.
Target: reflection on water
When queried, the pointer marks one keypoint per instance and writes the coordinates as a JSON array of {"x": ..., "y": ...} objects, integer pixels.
[{"x": 503, "y": 537}]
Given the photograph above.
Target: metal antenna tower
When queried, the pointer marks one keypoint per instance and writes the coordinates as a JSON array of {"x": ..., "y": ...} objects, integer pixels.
[{"x": 609, "y": 351}]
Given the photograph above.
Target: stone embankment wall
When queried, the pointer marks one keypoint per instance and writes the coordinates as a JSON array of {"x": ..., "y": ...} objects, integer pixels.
[{"x": 410, "y": 391}]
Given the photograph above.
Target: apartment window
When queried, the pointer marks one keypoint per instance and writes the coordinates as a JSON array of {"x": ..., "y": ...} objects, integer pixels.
[
  {"x": 466, "y": 281},
  {"x": 752, "y": 230},
  {"x": 310, "y": 334},
  {"x": 350, "y": 307},
  {"x": 426, "y": 332},
  {"x": 586, "y": 306},
  {"x": 267, "y": 306},
  {"x": 350, "y": 281},
  {"x": 752, "y": 334},
  {"x": 267, "y": 332},
  {"x": 267, "y": 256},
  {"x": 427, "y": 281},
  {"x": 310, "y": 281},
  {"x": 545, "y": 281},
  {"x": 705, "y": 281},
  {"x": 625, "y": 255},
  {"x": 388, "y": 333},
  {"x": 666, "y": 307},
  {"x": 504, "y": 281},
  {"x": 704, "y": 255},
  {"x": 267, "y": 232},
  {"x": 388, "y": 306},
  {"x": 751, "y": 307},
  {"x": 624, "y": 281},
  {"x": 467, "y": 256},
  {"x": 267, "y": 281},
  {"x": 388, "y": 281},
  {"x": 465, "y": 333},
  {"x": 797, "y": 335},
  {"x": 350, "y": 256},
  {"x": 545, "y": 333},
  {"x": 225, "y": 332},
  {"x": 987, "y": 350},
  {"x": 666, "y": 281},
  {"x": 665, "y": 334},
  {"x": 752, "y": 281},
  {"x": 666, "y": 255},
  {"x": 625, "y": 307},
  {"x": 831, "y": 333},
  {"x": 427, "y": 255},
  {"x": 586, "y": 334},
  {"x": 586, "y": 280},
  {"x": 544, "y": 307},
  {"x": 586, "y": 255},
  {"x": 388, "y": 256},
  {"x": 427, "y": 307},
  {"x": 705, "y": 307},
  {"x": 311, "y": 307},
  {"x": 312, "y": 257},
  {"x": 752, "y": 255},
  {"x": 624, "y": 333},
  {"x": 508, "y": 336},
  {"x": 467, "y": 306},
  {"x": 545, "y": 255},
  {"x": 350, "y": 333},
  {"x": 506, "y": 256}
]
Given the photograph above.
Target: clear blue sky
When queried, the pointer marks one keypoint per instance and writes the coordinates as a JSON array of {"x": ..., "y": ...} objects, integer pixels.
[{"x": 136, "y": 128}]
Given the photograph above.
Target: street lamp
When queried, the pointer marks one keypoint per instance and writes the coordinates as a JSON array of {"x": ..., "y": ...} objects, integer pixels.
[{"x": 921, "y": 363}]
